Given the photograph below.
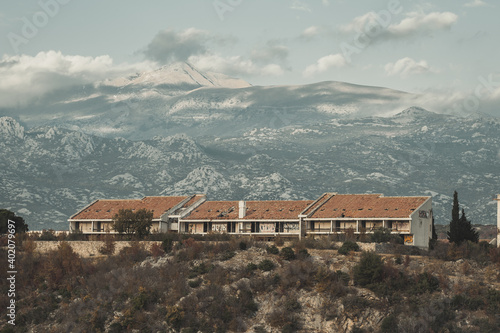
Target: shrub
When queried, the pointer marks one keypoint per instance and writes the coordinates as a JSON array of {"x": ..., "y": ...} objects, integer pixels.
[
  {"x": 389, "y": 323},
  {"x": 266, "y": 265},
  {"x": 303, "y": 254},
  {"x": 168, "y": 241},
  {"x": 347, "y": 247},
  {"x": 243, "y": 246},
  {"x": 108, "y": 248},
  {"x": 272, "y": 249},
  {"x": 369, "y": 270},
  {"x": 226, "y": 255},
  {"x": 175, "y": 316},
  {"x": 382, "y": 235},
  {"x": 135, "y": 252},
  {"x": 156, "y": 250},
  {"x": 47, "y": 235},
  {"x": 251, "y": 266},
  {"x": 278, "y": 241},
  {"x": 287, "y": 253},
  {"x": 425, "y": 282},
  {"x": 195, "y": 283}
]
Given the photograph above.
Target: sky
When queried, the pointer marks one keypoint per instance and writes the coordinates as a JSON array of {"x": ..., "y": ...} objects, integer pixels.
[{"x": 447, "y": 49}]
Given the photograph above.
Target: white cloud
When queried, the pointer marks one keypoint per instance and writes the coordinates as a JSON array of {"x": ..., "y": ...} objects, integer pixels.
[
  {"x": 299, "y": 5},
  {"x": 310, "y": 32},
  {"x": 325, "y": 63},
  {"x": 359, "y": 23},
  {"x": 26, "y": 78},
  {"x": 171, "y": 46},
  {"x": 407, "y": 66},
  {"x": 476, "y": 3},
  {"x": 418, "y": 23},
  {"x": 325, "y": 3},
  {"x": 234, "y": 65},
  {"x": 414, "y": 23}
]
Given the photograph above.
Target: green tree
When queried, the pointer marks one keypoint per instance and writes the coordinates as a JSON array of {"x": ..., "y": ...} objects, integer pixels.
[
  {"x": 434, "y": 233},
  {"x": 369, "y": 270},
  {"x": 133, "y": 223},
  {"x": 6, "y": 215},
  {"x": 469, "y": 233},
  {"x": 460, "y": 227}
]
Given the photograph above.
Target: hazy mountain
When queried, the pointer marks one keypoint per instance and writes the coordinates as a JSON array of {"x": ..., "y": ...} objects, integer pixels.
[{"x": 180, "y": 99}]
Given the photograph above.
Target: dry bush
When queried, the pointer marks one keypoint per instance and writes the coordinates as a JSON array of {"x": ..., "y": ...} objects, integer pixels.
[
  {"x": 330, "y": 283},
  {"x": 108, "y": 248},
  {"x": 466, "y": 268},
  {"x": 218, "y": 276},
  {"x": 279, "y": 241},
  {"x": 133, "y": 253},
  {"x": 62, "y": 264},
  {"x": 156, "y": 250},
  {"x": 29, "y": 246},
  {"x": 192, "y": 248},
  {"x": 297, "y": 275}
]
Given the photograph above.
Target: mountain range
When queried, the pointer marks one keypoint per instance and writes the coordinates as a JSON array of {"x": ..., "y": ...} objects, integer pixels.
[{"x": 177, "y": 130}]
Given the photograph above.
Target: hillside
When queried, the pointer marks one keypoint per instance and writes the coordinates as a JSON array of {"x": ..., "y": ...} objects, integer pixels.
[{"x": 241, "y": 286}]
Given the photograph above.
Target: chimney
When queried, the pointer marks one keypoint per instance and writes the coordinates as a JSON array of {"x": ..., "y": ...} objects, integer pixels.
[
  {"x": 242, "y": 210},
  {"x": 498, "y": 219}
]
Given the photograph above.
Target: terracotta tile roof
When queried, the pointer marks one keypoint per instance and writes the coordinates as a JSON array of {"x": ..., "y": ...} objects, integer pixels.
[
  {"x": 318, "y": 203},
  {"x": 195, "y": 198},
  {"x": 368, "y": 206},
  {"x": 106, "y": 209},
  {"x": 256, "y": 210}
]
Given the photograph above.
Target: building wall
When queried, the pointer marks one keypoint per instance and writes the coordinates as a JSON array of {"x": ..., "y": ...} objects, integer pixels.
[{"x": 421, "y": 226}]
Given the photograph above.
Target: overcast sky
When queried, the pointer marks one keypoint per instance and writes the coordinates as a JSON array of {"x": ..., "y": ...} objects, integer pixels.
[{"x": 448, "y": 46}]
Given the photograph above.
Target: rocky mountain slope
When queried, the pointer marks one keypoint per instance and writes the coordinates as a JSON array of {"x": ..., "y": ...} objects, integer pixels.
[{"x": 48, "y": 173}]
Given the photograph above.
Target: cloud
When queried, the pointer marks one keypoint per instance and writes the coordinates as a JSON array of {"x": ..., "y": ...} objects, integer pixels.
[
  {"x": 310, "y": 32},
  {"x": 407, "y": 66},
  {"x": 27, "y": 78},
  {"x": 325, "y": 3},
  {"x": 299, "y": 5},
  {"x": 171, "y": 46},
  {"x": 476, "y": 3},
  {"x": 419, "y": 23},
  {"x": 325, "y": 63},
  {"x": 271, "y": 52},
  {"x": 234, "y": 65},
  {"x": 414, "y": 23}
]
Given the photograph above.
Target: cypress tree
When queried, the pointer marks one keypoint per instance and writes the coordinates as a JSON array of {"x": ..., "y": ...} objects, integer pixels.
[
  {"x": 434, "y": 233},
  {"x": 460, "y": 227},
  {"x": 469, "y": 233},
  {"x": 454, "y": 233}
]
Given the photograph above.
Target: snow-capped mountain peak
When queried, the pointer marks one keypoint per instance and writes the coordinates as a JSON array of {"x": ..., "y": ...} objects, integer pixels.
[{"x": 179, "y": 74}]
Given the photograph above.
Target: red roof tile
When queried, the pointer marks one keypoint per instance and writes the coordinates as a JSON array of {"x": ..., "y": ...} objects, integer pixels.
[
  {"x": 256, "y": 210},
  {"x": 106, "y": 209},
  {"x": 368, "y": 206}
]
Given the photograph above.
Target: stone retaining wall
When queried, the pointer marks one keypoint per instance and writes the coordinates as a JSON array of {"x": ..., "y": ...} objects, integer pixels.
[{"x": 87, "y": 248}]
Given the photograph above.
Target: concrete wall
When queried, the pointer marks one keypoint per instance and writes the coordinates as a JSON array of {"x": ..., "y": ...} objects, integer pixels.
[{"x": 421, "y": 227}]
